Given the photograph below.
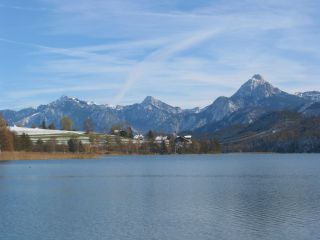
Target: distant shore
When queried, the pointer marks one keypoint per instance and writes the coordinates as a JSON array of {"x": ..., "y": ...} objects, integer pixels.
[{"x": 6, "y": 156}]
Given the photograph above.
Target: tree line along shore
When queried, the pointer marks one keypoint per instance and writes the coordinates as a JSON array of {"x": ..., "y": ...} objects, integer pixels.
[{"x": 89, "y": 144}]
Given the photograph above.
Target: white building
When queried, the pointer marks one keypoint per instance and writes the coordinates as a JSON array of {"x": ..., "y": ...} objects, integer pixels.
[
  {"x": 138, "y": 137},
  {"x": 46, "y": 135},
  {"x": 161, "y": 139}
]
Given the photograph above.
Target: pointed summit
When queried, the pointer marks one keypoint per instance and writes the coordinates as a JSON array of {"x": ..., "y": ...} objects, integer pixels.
[
  {"x": 256, "y": 88},
  {"x": 257, "y": 77},
  {"x": 152, "y": 103},
  {"x": 149, "y": 100},
  {"x": 256, "y": 81}
]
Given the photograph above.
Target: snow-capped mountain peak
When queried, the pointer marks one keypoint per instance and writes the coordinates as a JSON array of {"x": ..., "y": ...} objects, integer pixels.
[
  {"x": 256, "y": 88},
  {"x": 257, "y": 77},
  {"x": 149, "y": 100},
  {"x": 256, "y": 81},
  {"x": 66, "y": 101}
]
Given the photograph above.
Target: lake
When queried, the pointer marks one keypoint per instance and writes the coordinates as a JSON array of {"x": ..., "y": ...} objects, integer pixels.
[{"x": 227, "y": 196}]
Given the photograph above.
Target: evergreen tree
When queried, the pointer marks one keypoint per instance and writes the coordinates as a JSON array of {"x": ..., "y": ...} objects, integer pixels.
[
  {"x": 52, "y": 126},
  {"x": 43, "y": 125},
  {"x": 123, "y": 133},
  {"x": 23, "y": 143},
  {"x": 72, "y": 145},
  {"x": 39, "y": 146},
  {"x": 75, "y": 145},
  {"x": 150, "y": 135}
]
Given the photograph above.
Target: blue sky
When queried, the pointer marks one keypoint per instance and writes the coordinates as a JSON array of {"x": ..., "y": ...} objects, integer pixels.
[{"x": 186, "y": 53}]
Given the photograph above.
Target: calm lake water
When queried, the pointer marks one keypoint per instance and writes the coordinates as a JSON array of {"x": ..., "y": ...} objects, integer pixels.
[{"x": 236, "y": 196}]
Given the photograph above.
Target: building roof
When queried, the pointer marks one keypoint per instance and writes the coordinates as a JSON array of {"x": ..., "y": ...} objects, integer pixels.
[
  {"x": 161, "y": 138},
  {"x": 138, "y": 136},
  {"x": 39, "y": 131}
]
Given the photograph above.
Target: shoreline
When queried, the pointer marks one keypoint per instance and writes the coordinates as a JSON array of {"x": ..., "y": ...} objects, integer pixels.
[
  {"x": 8, "y": 156},
  {"x": 21, "y": 156}
]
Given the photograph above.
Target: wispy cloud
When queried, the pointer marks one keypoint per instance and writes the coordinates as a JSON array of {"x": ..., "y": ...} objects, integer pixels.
[
  {"x": 151, "y": 62},
  {"x": 22, "y": 8},
  {"x": 59, "y": 90},
  {"x": 203, "y": 48}
]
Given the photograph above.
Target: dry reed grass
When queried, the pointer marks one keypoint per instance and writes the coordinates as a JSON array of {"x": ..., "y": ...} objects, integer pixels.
[{"x": 44, "y": 156}]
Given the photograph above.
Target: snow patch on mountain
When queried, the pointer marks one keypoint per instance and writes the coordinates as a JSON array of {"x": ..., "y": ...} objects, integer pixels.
[
  {"x": 256, "y": 88},
  {"x": 313, "y": 96}
]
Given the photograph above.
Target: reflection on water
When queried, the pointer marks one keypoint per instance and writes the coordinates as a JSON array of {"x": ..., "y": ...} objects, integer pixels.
[{"x": 245, "y": 196}]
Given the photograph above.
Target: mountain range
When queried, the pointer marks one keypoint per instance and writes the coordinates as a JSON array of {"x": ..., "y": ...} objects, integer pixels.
[{"x": 255, "y": 98}]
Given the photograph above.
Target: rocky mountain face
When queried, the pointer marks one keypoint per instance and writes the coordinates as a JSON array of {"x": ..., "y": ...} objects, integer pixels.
[
  {"x": 103, "y": 116},
  {"x": 313, "y": 96},
  {"x": 312, "y": 110},
  {"x": 255, "y": 90},
  {"x": 255, "y": 98},
  {"x": 151, "y": 114}
]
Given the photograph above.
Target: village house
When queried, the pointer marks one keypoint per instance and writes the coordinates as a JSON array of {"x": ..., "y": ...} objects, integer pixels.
[
  {"x": 138, "y": 137},
  {"x": 160, "y": 139},
  {"x": 181, "y": 141}
]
